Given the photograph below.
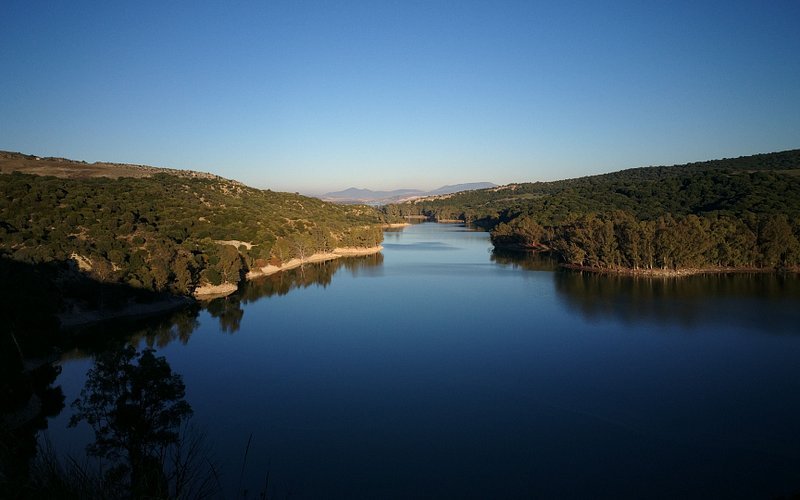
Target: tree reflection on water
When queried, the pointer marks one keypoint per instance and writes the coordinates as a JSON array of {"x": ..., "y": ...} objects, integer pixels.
[
  {"x": 763, "y": 303},
  {"x": 135, "y": 405},
  {"x": 132, "y": 400},
  {"x": 228, "y": 310},
  {"x": 707, "y": 299},
  {"x": 27, "y": 399}
]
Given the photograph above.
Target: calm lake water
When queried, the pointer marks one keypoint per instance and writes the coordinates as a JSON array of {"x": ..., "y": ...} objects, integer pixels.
[{"x": 439, "y": 369}]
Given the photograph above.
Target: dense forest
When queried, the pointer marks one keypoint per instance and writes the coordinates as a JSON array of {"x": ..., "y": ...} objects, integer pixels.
[
  {"x": 734, "y": 213},
  {"x": 163, "y": 233}
]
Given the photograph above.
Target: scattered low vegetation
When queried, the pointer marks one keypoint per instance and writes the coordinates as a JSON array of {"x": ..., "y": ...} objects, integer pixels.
[{"x": 166, "y": 233}]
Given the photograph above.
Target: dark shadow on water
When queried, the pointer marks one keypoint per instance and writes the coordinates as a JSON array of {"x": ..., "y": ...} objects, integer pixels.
[
  {"x": 766, "y": 303},
  {"x": 134, "y": 404},
  {"x": 28, "y": 379},
  {"x": 154, "y": 332},
  {"x": 38, "y": 300},
  {"x": 761, "y": 302},
  {"x": 528, "y": 261},
  {"x": 27, "y": 399},
  {"x": 33, "y": 300},
  {"x": 31, "y": 308},
  {"x": 31, "y": 342}
]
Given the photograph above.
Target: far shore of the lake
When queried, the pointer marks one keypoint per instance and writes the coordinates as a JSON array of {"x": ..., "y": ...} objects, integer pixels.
[
  {"x": 673, "y": 273},
  {"x": 649, "y": 272}
]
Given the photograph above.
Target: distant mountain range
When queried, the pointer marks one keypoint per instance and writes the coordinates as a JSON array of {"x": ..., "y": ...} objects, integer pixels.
[{"x": 370, "y": 197}]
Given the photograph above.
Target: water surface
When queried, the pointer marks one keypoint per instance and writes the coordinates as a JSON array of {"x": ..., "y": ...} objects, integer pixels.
[{"x": 440, "y": 369}]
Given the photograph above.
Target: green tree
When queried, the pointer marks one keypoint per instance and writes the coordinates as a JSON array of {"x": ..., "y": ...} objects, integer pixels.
[
  {"x": 281, "y": 250},
  {"x": 230, "y": 264},
  {"x": 779, "y": 247},
  {"x": 302, "y": 245}
]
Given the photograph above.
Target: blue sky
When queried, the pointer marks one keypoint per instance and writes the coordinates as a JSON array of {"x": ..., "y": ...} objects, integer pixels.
[{"x": 321, "y": 96}]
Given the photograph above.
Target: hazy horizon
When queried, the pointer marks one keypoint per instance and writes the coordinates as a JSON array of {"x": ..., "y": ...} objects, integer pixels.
[{"x": 316, "y": 97}]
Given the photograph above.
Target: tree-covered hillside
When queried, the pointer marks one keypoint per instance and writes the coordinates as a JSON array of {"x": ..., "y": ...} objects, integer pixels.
[
  {"x": 740, "y": 213},
  {"x": 169, "y": 233}
]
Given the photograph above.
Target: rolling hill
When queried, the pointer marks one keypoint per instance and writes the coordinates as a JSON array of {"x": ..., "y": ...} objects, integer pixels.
[
  {"x": 161, "y": 231},
  {"x": 736, "y": 213},
  {"x": 367, "y": 196}
]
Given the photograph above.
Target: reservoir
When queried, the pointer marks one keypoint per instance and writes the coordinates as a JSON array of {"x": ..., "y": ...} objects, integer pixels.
[{"x": 440, "y": 369}]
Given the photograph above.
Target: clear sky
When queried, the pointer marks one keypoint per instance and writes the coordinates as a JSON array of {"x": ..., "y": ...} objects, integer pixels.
[{"x": 320, "y": 96}]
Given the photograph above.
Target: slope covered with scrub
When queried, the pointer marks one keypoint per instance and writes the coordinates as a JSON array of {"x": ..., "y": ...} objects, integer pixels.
[{"x": 164, "y": 230}]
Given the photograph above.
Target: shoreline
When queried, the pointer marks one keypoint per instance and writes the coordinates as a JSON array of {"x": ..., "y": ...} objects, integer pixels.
[
  {"x": 650, "y": 273},
  {"x": 78, "y": 319},
  {"x": 674, "y": 273},
  {"x": 210, "y": 292}
]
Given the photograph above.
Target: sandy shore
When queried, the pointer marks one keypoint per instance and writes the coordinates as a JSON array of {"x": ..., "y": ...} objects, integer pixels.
[
  {"x": 336, "y": 253},
  {"x": 208, "y": 292},
  {"x": 81, "y": 318}
]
